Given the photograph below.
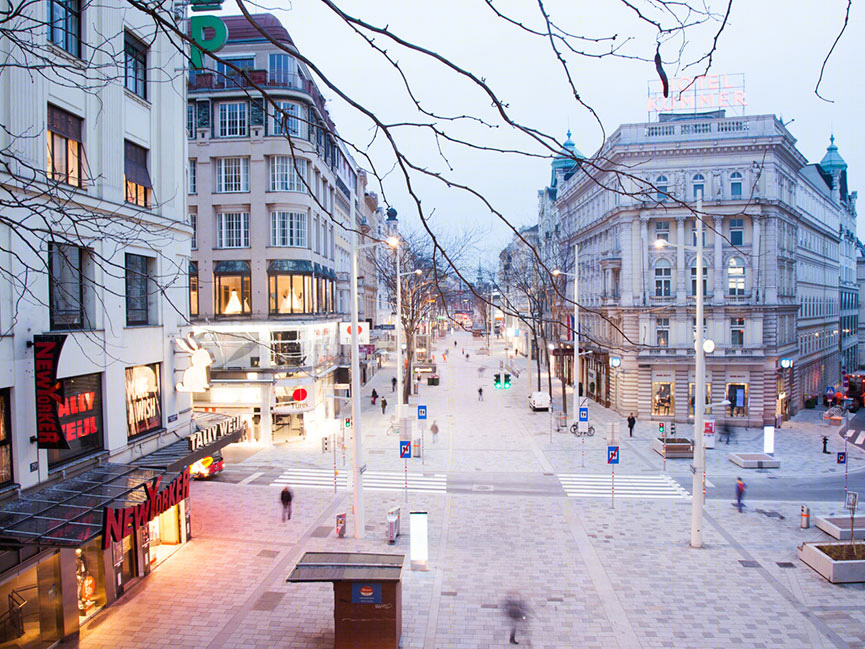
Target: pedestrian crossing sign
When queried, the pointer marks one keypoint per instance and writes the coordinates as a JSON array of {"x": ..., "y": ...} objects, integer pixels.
[
  {"x": 612, "y": 455},
  {"x": 405, "y": 450}
]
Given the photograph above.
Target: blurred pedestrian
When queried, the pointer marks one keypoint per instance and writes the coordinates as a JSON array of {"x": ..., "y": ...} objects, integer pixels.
[
  {"x": 383, "y": 405},
  {"x": 455, "y": 343},
  {"x": 374, "y": 396},
  {"x": 631, "y": 421},
  {"x": 516, "y": 611},
  {"x": 434, "y": 429},
  {"x": 286, "y": 497},
  {"x": 740, "y": 493},
  {"x": 393, "y": 384},
  {"x": 480, "y": 394}
]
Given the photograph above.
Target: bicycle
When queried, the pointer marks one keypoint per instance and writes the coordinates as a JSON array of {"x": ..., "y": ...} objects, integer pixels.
[
  {"x": 575, "y": 431},
  {"x": 393, "y": 428}
]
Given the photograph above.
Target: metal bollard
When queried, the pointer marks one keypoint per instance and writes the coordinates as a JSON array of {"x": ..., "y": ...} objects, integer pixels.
[
  {"x": 805, "y": 518},
  {"x": 825, "y": 442}
]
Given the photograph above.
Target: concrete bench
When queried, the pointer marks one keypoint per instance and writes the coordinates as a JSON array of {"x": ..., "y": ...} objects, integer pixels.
[{"x": 754, "y": 460}]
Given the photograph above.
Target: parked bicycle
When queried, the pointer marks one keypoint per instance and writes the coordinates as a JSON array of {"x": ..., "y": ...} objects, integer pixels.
[
  {"x": 393, "y": 427},
  {"x": 575, "y": 431}
]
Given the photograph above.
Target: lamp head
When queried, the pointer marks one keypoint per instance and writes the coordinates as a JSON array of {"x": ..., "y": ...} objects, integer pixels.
[
  {"x": 556, "y": 272},
  {"x": 418, "y": 271},
  {"x": 660, "y": 243},
  {"x": 393, "y": 242}
]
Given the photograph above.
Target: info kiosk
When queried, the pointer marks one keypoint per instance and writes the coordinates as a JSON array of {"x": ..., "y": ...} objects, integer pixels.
[{"x": 367, "y": 595}]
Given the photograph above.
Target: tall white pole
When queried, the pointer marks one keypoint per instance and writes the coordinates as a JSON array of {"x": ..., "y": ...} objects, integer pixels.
[
  {"x": 355, "y": 400},
  {"x": 699, "y": 395},
  {"x": 577, "y": 357},
  {"x": 398, "y": 341}
]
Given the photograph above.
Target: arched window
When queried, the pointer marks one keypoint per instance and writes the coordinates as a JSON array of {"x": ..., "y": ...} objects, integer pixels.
[
  {"x": 663, "y": 278},
  {"x": 694, "y": 278},
  {"x": 736, "y": 185},
  {"x": 736, "y": 276},
  {"x": 699, "y": 185},
  {"x": 661, "y": 184}
]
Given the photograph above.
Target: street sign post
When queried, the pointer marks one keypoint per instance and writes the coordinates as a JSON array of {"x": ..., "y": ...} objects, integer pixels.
[
  {"x": 404, "y": 450},
  {"x": 612, "y": 460},
  {"x": 421, "y": 412},
  {"x": 842, "y": 458},
  {"x": 584, "y": 414}
]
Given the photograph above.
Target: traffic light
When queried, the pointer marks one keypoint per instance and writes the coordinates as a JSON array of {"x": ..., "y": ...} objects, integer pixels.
[
  {"x": 325, "y": 444},
  {"x": 348, "y": 422},
  {"x": 507, "y": 381},
  {"x": 661, "y": 428},
  {"x": 497, "y": 381}
]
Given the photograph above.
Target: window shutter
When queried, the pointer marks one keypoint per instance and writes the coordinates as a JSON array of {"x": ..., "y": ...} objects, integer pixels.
[
  {"x": 136, "y": 165},
  {"x": 63, "y": 123}
]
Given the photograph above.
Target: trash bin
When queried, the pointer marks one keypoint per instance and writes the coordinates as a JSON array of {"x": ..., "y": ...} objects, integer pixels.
[
  {"x": 415, "y": 387},
  {"x": 805, "y": 518},
  {"x": 563, "y": 420},
  {"x": 392, "y": 525},
  {"x": 415, "y": 448},
  {"x": 435, "y": 378},
  {"x": 340, "y": 525}
]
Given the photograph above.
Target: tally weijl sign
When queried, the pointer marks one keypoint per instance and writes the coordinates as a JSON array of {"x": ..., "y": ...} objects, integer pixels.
[{"x": 202, "y": 438}]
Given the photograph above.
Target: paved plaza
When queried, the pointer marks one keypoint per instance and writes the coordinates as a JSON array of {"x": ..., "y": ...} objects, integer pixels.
[{"x": 504, "y": 517}]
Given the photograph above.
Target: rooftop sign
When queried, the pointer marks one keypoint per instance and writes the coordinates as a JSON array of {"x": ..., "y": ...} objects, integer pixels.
[{"x": 696, "y": 94}]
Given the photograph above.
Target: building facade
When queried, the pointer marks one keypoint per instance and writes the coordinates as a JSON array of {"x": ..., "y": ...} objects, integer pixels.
[
  {"x": 771, "y": 251},
  {"x": 95, "y": 247}
]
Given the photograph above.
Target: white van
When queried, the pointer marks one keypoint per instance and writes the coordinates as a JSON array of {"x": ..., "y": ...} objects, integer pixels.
[{"x": 539, "y": 401}]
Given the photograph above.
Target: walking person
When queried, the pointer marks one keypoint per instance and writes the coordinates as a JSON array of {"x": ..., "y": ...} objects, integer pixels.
[
  {"x": 374, "y": 396},
  {"x": 434, "y": 429},
  {"x": 383, "y": 405},
  {"x": 740, "y": 493},
  {"x": 516, "y": 611},
  {"x": 631, "y": 421},
  {"x": 480, "y": 394},
  {"x": 393, "y": 384},
  {"x": 286, "y": 497}
]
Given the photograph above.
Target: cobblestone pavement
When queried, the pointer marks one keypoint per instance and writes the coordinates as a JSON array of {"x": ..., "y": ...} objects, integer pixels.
[{"x": 595, "y": 573}]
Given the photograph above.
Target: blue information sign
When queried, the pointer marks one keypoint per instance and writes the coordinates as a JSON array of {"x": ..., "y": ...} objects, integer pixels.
[
  {"x": 421, "y": 412},
  {"x": 405, "y": 450},
  {"x": 584, "y": 414},
  {"x": 612, "y": 455}
]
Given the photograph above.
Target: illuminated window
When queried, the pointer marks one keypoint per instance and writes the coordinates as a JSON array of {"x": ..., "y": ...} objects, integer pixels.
[
  {"x": 663, "y": 401},
  {"x": 136, "y": 176},
  {"x": 737, "y": 332},
  {"x": 233, "y": 288},
  {"x": 64, "y": 147},
  {"x": 193, "y": 288},
  {"x": 662, "y": 332}
]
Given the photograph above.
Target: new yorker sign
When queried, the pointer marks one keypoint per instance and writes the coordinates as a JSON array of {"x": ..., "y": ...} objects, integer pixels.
[
  {"x": 49, "y": 391},
  {"x": 202, "y": 438},
  {"x": 120, "y": 523}
]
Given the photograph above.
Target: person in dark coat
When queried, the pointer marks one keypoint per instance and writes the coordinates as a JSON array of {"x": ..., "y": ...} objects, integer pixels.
[
  {"x": 631, "y": 421},
  {"x": 286, "y": 497},
  {"x": 740, "y": 493},
  {"x": 516, "y": 611},
  {"x": 374, "y": 396},
  {"x": 383, "y": 405},
  {"x": 393, "y": 384}
]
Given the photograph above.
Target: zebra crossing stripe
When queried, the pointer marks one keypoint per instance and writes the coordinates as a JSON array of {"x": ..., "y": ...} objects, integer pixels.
[
  {"x": 861, "y": 438},
  {"x": 302, "y": 477},
  {"x": 391, "y": 481},
  {"x": 627, "y": 486}
]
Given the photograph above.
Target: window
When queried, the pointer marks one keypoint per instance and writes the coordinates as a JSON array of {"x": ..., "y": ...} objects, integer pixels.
[
  {"x": 694, "y": 279},
  {"x": 662, "y": 230},
  {"x": 737, "y": 231},
  {"x": 287, "y": 174},
  {"x": 288, "y": 229},
  {"x": 64, "y": 25},
  {"x": 737, "y": 332},
  {"x": 661, "y": 184},
  {"x": 190, "y": 121},
  {"x": 737, "y": 394},
  {"x": 287, "y": 350},
  {"x": 736, "y": 276},
  {"x": 233, "y": 287},
  {"x": 228, "y": 76},
  {"x": 232, "y": 230},
  {"x": 5, "y": 436},
  {"x": 138, "y": 280},
  {"x": 692, "y": 398},
  {"x": 232, "y": 175},
  {"x": 232, "y": 119},
  {"x": 290, "y": 292},
  {"x": 136, "y": 177},
  {"x": 662, "y": 332},
  {"x": 285, "y": 120},
  {"x": 64, "y": 147},
  {"x": 736, "y": 185},
  {"x": 135, "y": 66},
  {"x": 699, "y": 185},
  {"x": 193, "y": 221},
  {"x": 281, "y": 71},
  {"x": 66, "y": 286},
  {"x": 663, "y": 276},
  {"x": 193, "y": 176},
  {"x": 80, "y": 415},
  {"x": 193, "y": 289},
  {"x": 663, "y": 402}
]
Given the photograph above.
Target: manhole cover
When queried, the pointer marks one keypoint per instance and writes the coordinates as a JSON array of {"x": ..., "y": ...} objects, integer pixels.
[
  {"x": 321, "y": 532},
  {"x": 268, "y": 553},
  {"x": 785, "y": 564},
  {"x": 749, "y": 564},
  {"x": 268, "y": 601}
]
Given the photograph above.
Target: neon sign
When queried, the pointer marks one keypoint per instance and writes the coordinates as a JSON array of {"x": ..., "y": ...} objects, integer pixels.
[{"x": 709, "y": 92}]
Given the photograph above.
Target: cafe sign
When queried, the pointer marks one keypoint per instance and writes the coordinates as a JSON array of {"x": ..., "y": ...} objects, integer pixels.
[{"x": 209, "y": 435}]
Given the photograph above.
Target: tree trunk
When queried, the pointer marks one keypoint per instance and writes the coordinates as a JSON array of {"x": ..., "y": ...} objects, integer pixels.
[
  {"x": 409, "y": 358},
  {"x": 562, "y": 379}
]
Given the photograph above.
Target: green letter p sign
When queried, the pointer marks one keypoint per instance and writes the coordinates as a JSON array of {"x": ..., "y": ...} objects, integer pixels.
[{"x": 197, "y": 25}]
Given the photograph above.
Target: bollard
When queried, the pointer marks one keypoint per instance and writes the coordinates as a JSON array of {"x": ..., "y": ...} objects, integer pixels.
[
  {"x": 805, "y": 518},
  {"x": 825, "y": 441}
]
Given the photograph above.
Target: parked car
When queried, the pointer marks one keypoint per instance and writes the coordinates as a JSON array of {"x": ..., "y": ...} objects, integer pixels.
[
  {"x": 539, "y": 401},
  {"x": 207, "y": 467}
]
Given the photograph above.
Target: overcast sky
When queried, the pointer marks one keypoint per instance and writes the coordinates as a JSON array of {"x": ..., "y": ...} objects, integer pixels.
[{"x": 778, "y": 46}]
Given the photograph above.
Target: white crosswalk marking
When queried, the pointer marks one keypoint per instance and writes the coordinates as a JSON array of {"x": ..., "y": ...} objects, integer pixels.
[
  {"x": 395, "y": 481},
  {"x": 312, "y": 477},
  {"x": 860, "y": 439},
  {"x": 581, "y": 485}
]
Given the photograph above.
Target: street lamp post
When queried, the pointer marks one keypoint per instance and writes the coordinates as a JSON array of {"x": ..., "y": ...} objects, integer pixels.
[{"x": 577, "y": 359}]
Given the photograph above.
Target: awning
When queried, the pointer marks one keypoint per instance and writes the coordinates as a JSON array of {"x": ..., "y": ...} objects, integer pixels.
[
  {"x": 347, "y": 566},
  {"x": 69, "y": 513},
  {"x": 213, "y": 432}
]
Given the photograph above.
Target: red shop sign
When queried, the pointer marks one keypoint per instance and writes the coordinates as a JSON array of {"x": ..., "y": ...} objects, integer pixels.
[{"x": 49, "y": 391}]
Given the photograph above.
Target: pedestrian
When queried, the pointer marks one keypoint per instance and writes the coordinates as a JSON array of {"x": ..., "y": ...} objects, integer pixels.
[
  {"x": 631, "y": 421},
  {"x": 383, "y": 405},
  {"x": 740, "y": 493},
  {"x": 393, "y": 384},
  {"x": 480, "y": 394},
  {"x": 725, "y": 430},
  {"x": 286, "y": 497},
  {"x": 434, "y": 429},
  {"x": 516, "y": 611},
  {"x": 374, "y": 396},
  {"x": 455, "y": 343}
]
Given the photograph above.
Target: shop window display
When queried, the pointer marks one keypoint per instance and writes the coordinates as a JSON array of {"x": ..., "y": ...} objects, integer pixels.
[
  {"x": 90, "y": 577},
  {"x": 34, "y": 606},
  {"x": 165, "y": 535},
  {"x": 662, "y": 399},
  {"x": 737, "y": 393}
]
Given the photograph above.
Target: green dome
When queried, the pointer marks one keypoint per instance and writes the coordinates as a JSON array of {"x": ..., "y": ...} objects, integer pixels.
[
  {"x": 565, "y": 160},
  {"x": 832, "y": 160}
]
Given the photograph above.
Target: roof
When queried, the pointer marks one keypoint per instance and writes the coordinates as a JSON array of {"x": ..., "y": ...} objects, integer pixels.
[
  {"x": 565, "y": 159},
  {"x": 241, "y": 30},
  {"x": 347, "y": 566},
  {"x": 832, "y": 160}
]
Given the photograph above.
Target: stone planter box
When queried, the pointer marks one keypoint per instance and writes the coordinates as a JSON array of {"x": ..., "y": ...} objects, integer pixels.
[
  {"x": 754, "y": 460},
  {"x": 837, "y": 572},
  {"x": 839, "y": 527},
  {"x": 673, "y": 447}
]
